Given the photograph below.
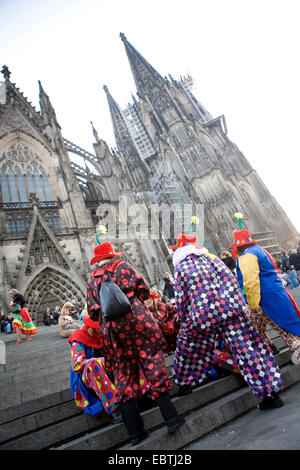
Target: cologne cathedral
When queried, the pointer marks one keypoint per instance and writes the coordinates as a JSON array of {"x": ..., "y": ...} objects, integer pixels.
[{"x": 169, "y": 151}]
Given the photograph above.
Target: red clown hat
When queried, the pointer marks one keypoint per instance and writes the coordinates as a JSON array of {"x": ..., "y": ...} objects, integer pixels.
[
  {"x": 103, "y": 251},
  {"x": 89, "y": 323},
  {"x": 242, "y": 238},
  {"x": 182, "y": 240}
]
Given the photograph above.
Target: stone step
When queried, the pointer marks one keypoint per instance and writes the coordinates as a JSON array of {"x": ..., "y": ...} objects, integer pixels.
[
  {"x": 202, "y": 398},
  {"x": 49, "y": 354},
  {"x": 108, "y": 438},
  {"x": 211, "y": 417},
  {"x": 58, "y": 386},
  {"x": 51, "y": 435},
  {"x": 50, "y": 419},
  {"x": 25, "y": 375},
  {"x": 34, "y": 388},
  {"x": 20, "y": 430},
  {"x": 16, "y": 368},
  {"x": 36, "y": 376},
  {"x": 35, "y": 405}
]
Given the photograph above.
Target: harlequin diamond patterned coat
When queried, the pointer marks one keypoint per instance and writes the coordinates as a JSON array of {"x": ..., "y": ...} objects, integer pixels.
[{"x": 210, "y": 302}]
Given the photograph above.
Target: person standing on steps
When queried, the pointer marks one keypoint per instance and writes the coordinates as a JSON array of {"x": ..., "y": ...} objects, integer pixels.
[
  {"x": 168, "y": 286},
  {"x": 209, "y": 302},
  {"x": 226, "y": 257},
  {"x": 270, "y": 302},
  {"x": 22, "y": 322},
  {"x": 288, "y": 268},
  {"x": 131, "y": 340}
]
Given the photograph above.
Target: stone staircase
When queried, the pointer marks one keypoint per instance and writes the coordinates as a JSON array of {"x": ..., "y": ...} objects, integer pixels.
[{"x": 37, "y": 410}]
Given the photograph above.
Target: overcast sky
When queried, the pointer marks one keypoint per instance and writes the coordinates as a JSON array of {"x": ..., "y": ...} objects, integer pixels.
[{"x": 243, "y": 56}]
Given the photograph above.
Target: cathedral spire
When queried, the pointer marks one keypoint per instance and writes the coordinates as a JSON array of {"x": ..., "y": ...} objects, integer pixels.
[
  {"x": 137, "y": 168},
  {"x": 96, "y": 135},
  {"x": 145, "y": 76},
  {"x": 46, "y": 107},
  {"x": 118, "y": 121}
]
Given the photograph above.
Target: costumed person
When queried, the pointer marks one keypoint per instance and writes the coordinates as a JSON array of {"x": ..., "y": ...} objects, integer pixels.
[
  {"x": 229, "y": 260},
  {"x": 22, "y": 322},
  {"x": 270, "y": 302},
  {"x": 168, "y": 286},
  {"x": 66, "y": 322},
  {"x": 165, "y": 315},
  {"x": 209, "y": 302},
  {"x": 133, "y": 339},
  {"x": 90, "y": 386}
]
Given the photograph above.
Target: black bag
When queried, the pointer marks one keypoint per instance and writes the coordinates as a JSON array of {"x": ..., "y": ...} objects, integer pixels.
[{"x": 114, "y": 303}]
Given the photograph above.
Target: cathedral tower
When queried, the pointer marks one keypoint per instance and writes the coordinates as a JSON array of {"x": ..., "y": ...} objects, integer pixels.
[{"x": 208, "y": 167}]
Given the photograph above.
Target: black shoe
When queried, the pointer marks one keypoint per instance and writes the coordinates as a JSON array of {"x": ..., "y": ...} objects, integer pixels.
[
  {"x": 172, "y": 427},
  {"x": 115, "y": 417},
  {"x": 169, "y": 413},
  {"x": 184, "y": 390},
  {"x": 275, "y": 350},
  {"x": 140, "y": 438},
  {"x": 270, "y": 402}
]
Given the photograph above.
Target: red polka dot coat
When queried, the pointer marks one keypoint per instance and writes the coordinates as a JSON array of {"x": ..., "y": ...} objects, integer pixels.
[{"x": 132, "y": 339}]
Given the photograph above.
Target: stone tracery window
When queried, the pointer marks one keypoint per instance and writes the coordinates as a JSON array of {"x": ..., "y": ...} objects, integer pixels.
[
  {"x": 22, "y": 173},
  {"x": 18, "y": 222}
]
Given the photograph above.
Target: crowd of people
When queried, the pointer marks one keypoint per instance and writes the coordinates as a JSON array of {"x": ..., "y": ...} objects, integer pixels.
[
  {"x": 52, "y": 317},
  {"x": 212, "y": 313},
  {"x": 6, "y": 323},
  {"x": 18, "y": 319}
]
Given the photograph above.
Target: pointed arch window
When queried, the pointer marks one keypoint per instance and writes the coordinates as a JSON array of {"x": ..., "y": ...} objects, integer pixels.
[
  {"x": 46, "y": 186},
  {"x": 39, "y": 186},
  {"x": 5, "y": 188},
  {"x": 22, "y": 188},
  {"x": 13, "y": 187},
  {"x": 30, "y": 184},
  {"x": 18, "y": 187}
]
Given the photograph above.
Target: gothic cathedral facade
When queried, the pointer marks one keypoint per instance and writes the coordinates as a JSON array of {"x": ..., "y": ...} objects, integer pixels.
[{"x": 169, "y": 150}]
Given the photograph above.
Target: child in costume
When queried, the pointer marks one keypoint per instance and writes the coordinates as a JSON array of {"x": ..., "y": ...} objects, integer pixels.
[
  {"x": 209, "y": 302},
  {"x": 270, "y": 302},
  {"x": 92, "y": 389},
  {"x": 22, "y": 322}
]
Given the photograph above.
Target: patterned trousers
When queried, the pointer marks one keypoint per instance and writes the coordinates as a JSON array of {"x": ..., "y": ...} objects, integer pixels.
[
  {"x": 260, "y": 321},
  {"x": 94, "y": 377},
  {"x": 195, "y": 350}
]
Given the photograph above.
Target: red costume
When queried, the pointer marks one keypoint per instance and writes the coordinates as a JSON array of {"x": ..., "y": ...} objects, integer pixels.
[
  {"x": 166, "y": 317},
  {"x": 132, "y": 339}
]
